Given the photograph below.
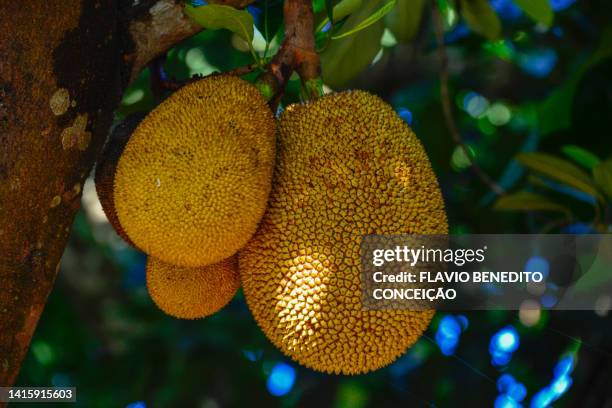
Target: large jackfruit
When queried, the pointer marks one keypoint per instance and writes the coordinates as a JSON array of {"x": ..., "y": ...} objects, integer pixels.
[
  {"x": 193, "y": 180},
  {"x": 347, "y": 166},
  {"x": 192, "y": 293}
]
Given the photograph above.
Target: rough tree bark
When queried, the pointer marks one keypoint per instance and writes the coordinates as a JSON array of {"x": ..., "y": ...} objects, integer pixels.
[{"x": 63, "y": 66}]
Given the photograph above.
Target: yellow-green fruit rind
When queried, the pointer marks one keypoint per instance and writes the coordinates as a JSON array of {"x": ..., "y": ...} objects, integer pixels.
[
  {"x": 347, "y": 166},
  {"x": 194, "y": 178},
  {"x": 192, "y": 293}
]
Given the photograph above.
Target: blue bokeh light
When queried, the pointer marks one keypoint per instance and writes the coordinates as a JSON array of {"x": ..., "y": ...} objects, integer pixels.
[
  {"x": 252, "y": 354},
  {"x": 558, "y": 386},
  {"x": 506, "y": 340},
  {"x": 538, "y": 62},
  {"x": 579, "y": 228},
  {"x": 511, "y": 391},
  {"x": 406, "y": 115},
  {"x": 557, "y": 31},
  {"x": 504, "y": 382},
  {"x": 548, "y": 301},
  {"x": 542, "y": 399},
  {"x": 506, "y": 9},
  {"x": 558, "y": 5},
  {"x": 447, "y": 335},
  {"x": 500, "y": 359},
  {"x": 61, "y": 380},
  {"x": 475, "y": 104},
  {"x": 517, "y": 391},
  {"x": 464, "y": 321},
  {"x": 565, "y": 366},
  {"x": 460, "y": 31},
  {"x": 137, "y": 404},
  {"x": 502, "y": 345},
  {"x": 505, "y": 401},
  {"x": 256, "y": 12},
  {"x": 537, "y": 264},
  {"x": 281, "y": 379}
]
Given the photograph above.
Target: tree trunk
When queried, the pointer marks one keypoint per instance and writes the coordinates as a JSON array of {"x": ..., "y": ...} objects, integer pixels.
[
  {"x": 63, "y": 67},
  {"x": 59, "y": 85}
]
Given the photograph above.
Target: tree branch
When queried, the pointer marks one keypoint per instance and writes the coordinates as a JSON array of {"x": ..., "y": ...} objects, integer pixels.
[
  {"x": 297, "y": 52},
  {"x": 447, "y": 106},
  {"x": 158, "y": 28}
]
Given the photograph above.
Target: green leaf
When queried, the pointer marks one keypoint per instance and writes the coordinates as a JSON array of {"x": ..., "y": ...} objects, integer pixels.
[
  {"x": 272, "y": 19},
  {"x": 560, "y": 170},
  {"x": 555, "y": 112},
  {"x": 318, "y": 5},
  {"x": 405, "y": 18},
  {"x": 539, "y": 10},
  {"x": 481, "y": 18},
  {"x": 528, "y": 201},
  {"x": 345, "y": 8},
  {"x": 373, "y": 18},
  {"x": 329, "y": 8},
  {"x": 581, "y": 156},
  {"x": 345, "y": 58},
  {"x": 214, "y": 17},
  {"x": 602, "y": 173}
]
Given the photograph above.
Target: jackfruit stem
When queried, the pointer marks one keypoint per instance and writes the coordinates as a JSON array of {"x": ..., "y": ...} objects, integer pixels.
[
  {"x": 266, "y": 90},
  {"x": 297, "y": 52},
  {"x": 314, "y": 88}
]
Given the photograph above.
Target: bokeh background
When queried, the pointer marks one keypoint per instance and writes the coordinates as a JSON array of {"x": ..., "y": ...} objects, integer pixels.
[{"x": 536, "y": 88}]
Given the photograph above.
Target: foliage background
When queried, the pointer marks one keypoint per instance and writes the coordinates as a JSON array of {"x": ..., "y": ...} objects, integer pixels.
[{"x": 527, "y": 88}]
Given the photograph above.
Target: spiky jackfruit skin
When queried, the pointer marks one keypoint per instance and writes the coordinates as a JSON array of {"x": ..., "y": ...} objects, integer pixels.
[
  {"x": 194, "y": 178},
  {"x": 192, "y": 293},
  {"x": 106, "y": 168},
  {"x": 347, "y": 166}
]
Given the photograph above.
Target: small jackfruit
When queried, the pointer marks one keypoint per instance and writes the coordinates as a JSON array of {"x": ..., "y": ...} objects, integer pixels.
[
  {"x": 106, "y": 168},
  {"x": 193, "y": 180},
  {"x": 192, "y": 293},
  {"x": 347, "y": 166}
]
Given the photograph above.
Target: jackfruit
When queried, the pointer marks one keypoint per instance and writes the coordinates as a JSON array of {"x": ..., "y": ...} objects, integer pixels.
[
  {"x": 192, "y": 293},
  {"x": 194, "y": 178},
  {"x": 347, "y": 166},
  {"x": 106, "y": 168}
]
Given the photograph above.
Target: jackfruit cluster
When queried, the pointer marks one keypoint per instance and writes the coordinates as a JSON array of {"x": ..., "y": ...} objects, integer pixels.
[
  {"x": 347, "y": 166},
  {"x": 193, "y": 180},
  {"x": 192, "y": 185},
  {"x": 212, "y": 146}
]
